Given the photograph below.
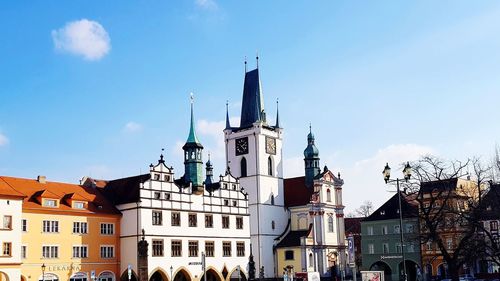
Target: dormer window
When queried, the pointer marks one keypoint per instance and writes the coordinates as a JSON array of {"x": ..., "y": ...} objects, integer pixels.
[
  {"x": 49, "y": 203},
  {"x": 79, "y": 205}
]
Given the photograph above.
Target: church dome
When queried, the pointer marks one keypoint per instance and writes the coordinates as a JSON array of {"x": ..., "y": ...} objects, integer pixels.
[{"x": 311, "y": 150}]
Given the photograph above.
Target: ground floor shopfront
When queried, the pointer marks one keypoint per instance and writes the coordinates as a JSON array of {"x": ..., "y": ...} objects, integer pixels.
[
  {"x": 69, "y": 271},
  {"x": 188, "y": 273},
  {"x": 392, "y": 266}
]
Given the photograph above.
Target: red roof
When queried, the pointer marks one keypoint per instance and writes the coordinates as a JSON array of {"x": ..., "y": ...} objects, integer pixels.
[
  {"x": 296, "y": 192},
  {"x": 32, "y": 189}
]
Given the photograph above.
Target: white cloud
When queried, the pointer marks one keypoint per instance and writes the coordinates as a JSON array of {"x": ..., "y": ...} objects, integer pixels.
[
  {"x": 3, "y": 140},
  {"x": 206, "y": 4},
  {"x": 132, "y": 127},
  {"x": 83, "y": 37},
  {"x": 364, "y": 179}
]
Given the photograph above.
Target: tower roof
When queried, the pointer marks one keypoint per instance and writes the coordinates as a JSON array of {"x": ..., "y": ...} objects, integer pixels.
[
  {"x": 192, "y": 138},
  {"x": 253, "y": 104},
  {"x": 311, "y": 150}
]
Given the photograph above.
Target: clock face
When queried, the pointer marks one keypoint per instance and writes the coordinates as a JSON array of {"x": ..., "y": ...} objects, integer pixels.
[
  {"x": 271, "y": 145},
  {"x": 241, "y": 146}
]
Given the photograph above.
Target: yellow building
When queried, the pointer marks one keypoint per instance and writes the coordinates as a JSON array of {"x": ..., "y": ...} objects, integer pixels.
[{"x": 69, "y": 232}]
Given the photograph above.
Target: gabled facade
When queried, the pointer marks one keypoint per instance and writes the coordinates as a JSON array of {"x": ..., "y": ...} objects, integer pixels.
[{"x": 381, "y": 241}]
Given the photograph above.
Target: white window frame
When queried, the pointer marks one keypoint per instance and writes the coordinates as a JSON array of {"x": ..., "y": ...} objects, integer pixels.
[
  {"x": 80, "y": 252},
  {"x": 51, "y": 227},
  {"x": 106, "y": 252},
  {"x": 51, "y": 251},
  {"x": 78, "y": 225},
  {"x": 107, "y": 228}
]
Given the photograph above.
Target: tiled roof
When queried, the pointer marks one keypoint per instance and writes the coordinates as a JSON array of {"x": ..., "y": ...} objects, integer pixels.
[
  {"x": 389, "y": 210},
  {"x": 33, "y": 189},
  {"x": 296, "y": 192},
  {"x": 292, "y": 239},
  {"x": 7, "y": 191},
  {"x": 352, "y": 225},
  {"x": 126, "y": 190}
]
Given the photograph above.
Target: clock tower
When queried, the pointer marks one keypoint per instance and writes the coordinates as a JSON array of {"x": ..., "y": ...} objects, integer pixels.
[{"x": 254, "y": 155}]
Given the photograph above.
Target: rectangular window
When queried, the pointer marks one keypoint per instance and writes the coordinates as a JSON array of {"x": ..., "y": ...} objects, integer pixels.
[
  {"x": 166, "y": 195},
  {"x": 193, "y": 248},
  {"x": 235, "y": 203},
  {"x": 80, "y": 251},
  {"x": 369, "y": 230},
  {"x": 398, "y": 248},
  {"x": 193, "y": 220},
  {"x": 226, "y": 248},
  {"x": 107, "y": 252},
  {"x": 225, "y": 221},
  {"x": 176, "y": 219},
  {"x": 157, "y": 247},
  {"x": 157, "y": 218},
  {"x": 396, "y": 229},
  {"x": 429, "y": 246},
  {"x": 226, "y": 202},
  {"x": 239, "y": 223},
  {"x": 50, "y": 252},
  {"x": 289, "y": 255},
  {"x": 371, "y": 249},
  {"x": 50, "y": 226},
  {"x": 209, "y": 248},
  {"x": 409, "y": 228},
  {"x": 23, "y": 252},
  {"x": 78, "y": 205},
  {"x": 157, "y": 195},
  {"x": 7, "y": 222},
  {"x": 24, "y": 225},
  {"x": 209, "y": 221},
  {"x": 410, "y": 248},
  {"x": 107, "y": 228},
  {"x": 49, "y": 203},
  {"x": 240, "y": 249},
  {"x": 176, "y": 248},
  {"x": 7, "y": 249},
  {"x": 384, "y": 229},
  {"x": 385, "y": 248},
  {"x": 80, "y": 227},
  {"x": 494, "y": 226}
]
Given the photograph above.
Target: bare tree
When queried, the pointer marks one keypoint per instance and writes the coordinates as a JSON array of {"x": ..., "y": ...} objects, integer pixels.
[
  {"x": 447, "y": 199},
  {"x": 365, "y": 209}
]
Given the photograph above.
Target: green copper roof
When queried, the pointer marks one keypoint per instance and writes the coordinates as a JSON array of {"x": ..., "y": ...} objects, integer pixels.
[{"x": 192, "y": 134}]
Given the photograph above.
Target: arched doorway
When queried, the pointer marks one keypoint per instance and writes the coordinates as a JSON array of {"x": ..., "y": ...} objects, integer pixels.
[
  {"x": 158, "y": 276},
  {"x": 182, "y": 275},
  {"x": 237, "y": 275},
  {"x": 106, "y": 276},
  {"x": 212, "y": 275},
  {"x": 412, "y": 270},
  {"x": 124, "y": 276},
  {"x": 4, "y": 276},
  {"x": 23, "y": 278},
  {"x": 48, "y": 277},
  {"x": 382, "y": 266}
]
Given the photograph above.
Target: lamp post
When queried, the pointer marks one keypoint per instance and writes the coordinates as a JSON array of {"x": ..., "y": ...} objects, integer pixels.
[
  {"x": 387, "y": 177},
  {"x": 43, "y": 272}
]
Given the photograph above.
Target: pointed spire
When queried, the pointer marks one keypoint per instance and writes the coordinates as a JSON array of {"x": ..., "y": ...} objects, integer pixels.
[
  {"x": 192, "y": 134},
  {"x": 277, "y": 114},
  {"x": 228, "y": 124}
]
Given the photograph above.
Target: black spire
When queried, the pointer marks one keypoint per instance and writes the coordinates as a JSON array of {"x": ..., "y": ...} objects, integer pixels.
[
  {"x": 228, "y": 124},
  {"x": 277, "y": 114},
  {"x": 252, "y": 108}
]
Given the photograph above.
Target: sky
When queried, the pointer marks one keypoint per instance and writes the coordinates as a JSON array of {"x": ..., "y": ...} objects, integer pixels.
[{"x": 98, "y": 88}]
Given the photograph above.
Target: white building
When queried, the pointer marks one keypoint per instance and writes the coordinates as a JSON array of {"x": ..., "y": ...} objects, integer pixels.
[
  {"x": 183, "y": 218},
  {"x": 11, "y": 203},
  {"x": 254, "y": 155}
]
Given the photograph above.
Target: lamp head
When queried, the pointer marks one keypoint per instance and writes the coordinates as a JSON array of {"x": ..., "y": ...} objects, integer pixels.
[
  {"x": 407, "y": 171},
  {"x": 386, "y": 172}
]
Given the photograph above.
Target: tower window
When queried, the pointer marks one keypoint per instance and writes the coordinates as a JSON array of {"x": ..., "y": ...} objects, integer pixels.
[
  {"x": 328, "y": 195},
  {"x": 243, "y": 167},
  {"x": 272, "y": 199},
  {"x": 270, "y": 166},
  {"x": 273, "y": 225},
  {"x": 330, "y": 224}
]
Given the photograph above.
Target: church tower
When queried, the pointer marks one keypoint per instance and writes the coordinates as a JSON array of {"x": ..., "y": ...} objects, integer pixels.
[
  {"x": 254, "y": 155},
  {"x": 311, "y": 160},
  {"x": 193, "y": 164}
]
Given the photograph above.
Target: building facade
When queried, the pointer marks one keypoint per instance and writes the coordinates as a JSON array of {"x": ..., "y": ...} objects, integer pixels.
[
  {"x": 381, "y": 240},
  {"x": 182, "y": 219},
  {"x": 66, "y": 232},
  {"x": 10, "y": 232}
]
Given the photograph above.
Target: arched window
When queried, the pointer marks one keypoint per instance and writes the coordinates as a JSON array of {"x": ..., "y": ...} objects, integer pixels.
[
  {"x": 328, "y": 195},
  {"x": 243, "y": 167},
  {"x": 270, "y": 166},
  {"x": 273, "y": 225},
  {"x": 330, "y": 224},
  {"x": 311, "y": 261},
  {"x": 272, "y": 199}
]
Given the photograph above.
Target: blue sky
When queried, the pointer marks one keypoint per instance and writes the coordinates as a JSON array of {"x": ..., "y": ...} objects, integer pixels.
[{"x": 380, "y": 81}]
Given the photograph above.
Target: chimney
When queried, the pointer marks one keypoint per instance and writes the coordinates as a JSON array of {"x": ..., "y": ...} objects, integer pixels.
[{"x": 42, "y": 179}]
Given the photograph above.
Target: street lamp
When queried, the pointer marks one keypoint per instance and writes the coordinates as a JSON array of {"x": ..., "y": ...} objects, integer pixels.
[
  {"x": 387, "y": 177},
  {"x": 43, "y": 272}
]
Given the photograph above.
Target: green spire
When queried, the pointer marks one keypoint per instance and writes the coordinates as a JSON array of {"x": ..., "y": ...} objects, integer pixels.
[{"x": 192, "y": 134}]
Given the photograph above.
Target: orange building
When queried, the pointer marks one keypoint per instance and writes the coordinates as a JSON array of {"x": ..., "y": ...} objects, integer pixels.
[{"x": 69, "y": 232}]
